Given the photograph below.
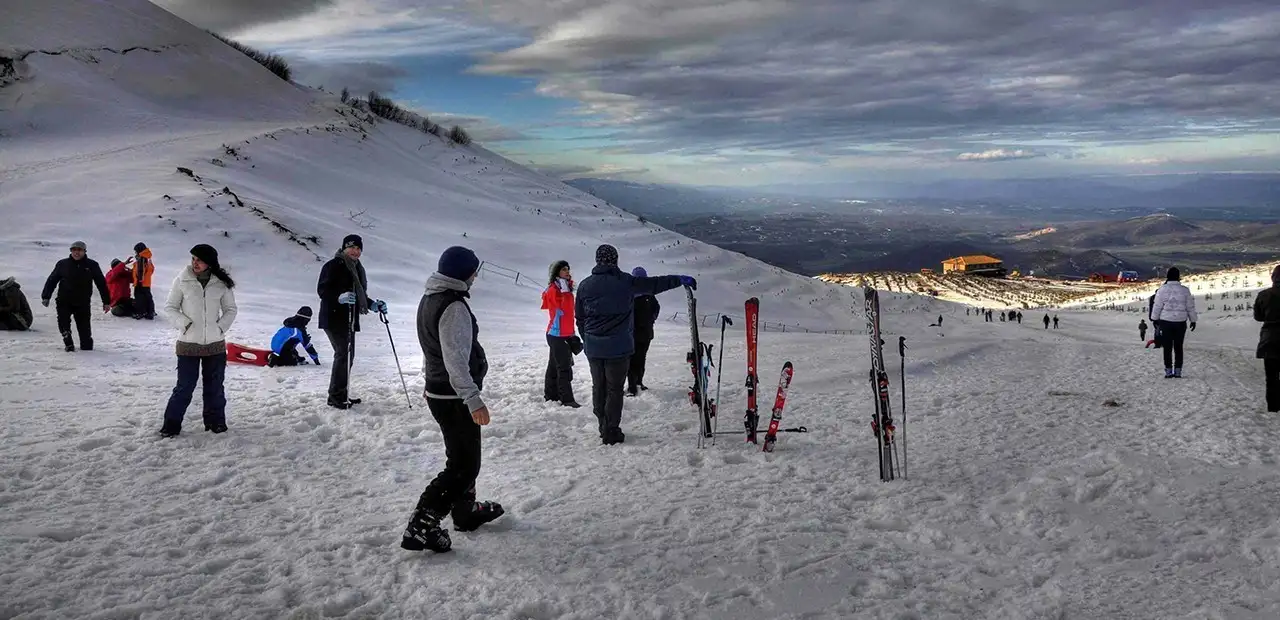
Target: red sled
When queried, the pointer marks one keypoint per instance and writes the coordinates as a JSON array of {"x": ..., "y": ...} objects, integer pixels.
[{"x": 240, "y": 354}]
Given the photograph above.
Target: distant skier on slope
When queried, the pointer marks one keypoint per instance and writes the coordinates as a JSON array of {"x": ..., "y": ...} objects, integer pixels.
[
  {"x": 455, "y": 366},
  {"x": 605, "y": 313},
  {"x": 557, "y": 300},
  {"x": 1266, "y": 310},
  {"x": 1046, "y": 320},
  {"x": 645, "y": 309},
  {"x": 1142, "y": 330},
  {"x": 284, "y": 345},
  {"x": 1173, "y": 307}
]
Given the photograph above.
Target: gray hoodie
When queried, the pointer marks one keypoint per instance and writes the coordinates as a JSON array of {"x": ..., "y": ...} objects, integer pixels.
[{"x": 456, "y": 340}]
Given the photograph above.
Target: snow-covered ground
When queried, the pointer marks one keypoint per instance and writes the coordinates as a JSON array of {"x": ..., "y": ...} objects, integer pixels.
[{"x": 1029, "y": 496}]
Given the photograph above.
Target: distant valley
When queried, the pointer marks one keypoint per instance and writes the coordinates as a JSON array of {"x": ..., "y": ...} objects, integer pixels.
[{"x": 813, "y": 235}]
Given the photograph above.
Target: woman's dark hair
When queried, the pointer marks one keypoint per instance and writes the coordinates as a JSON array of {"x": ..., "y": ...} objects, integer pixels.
[
  {"x": 555, "y": 270},
  {"x": 222, "y": 274}
]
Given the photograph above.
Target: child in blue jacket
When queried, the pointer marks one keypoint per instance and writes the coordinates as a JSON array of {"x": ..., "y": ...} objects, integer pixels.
[{"x": 284, "y": 346}]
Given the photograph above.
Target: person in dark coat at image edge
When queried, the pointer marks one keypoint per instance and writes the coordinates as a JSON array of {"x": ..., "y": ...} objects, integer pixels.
[
  {"x": 454, "y": 365},
  {"x": 606, "y": 322},
  {"x": 1266, "y": 310},
  {"x": 75, "y": 277},
  {"x": 344, "y": 296},
  {"x": 15, "y": 312},
  {"x": 646, "y": 308}
]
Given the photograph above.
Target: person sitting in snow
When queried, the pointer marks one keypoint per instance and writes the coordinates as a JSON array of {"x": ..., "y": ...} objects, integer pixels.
[
  {"x": 119, "y": 279},
  {"x": 15, "y": 312},
  {"x": 284, "y": 346}
]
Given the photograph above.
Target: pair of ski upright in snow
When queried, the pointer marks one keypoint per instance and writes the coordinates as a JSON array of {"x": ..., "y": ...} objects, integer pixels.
[
  {"x": 700, "y": 363},
  {"x": 882, "y": 425}
]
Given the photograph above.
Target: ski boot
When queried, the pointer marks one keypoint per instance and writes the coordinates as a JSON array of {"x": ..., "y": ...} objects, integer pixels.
[
  {"x": 68, "y": 343},
  {"x": 471, "y": 515},
  {"x": 424, "y": 532}
]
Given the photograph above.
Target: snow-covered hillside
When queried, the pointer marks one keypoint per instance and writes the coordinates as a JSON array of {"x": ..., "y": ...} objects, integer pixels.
[{"x": 1050, "y": 474}]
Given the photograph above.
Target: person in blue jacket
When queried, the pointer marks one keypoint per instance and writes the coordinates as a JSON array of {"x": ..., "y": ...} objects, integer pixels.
[
  {"x": 284, "y": 346},
  {"x": 604, "y": 313}
]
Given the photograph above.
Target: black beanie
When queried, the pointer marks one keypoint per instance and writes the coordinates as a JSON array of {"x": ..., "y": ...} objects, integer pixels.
[
  {"x": 353, "y": 241},
  {"x": 206, "y": 253},
  {"x": 140, "y": 246},
  {"x": 304, "y": 312},
  {"x": 606, "y": 255},
  {"x": 1275, "y": 275},
  {"x": 1173, "y": 274},
  {"x": 115, "y": 261},
  {"x": 458, "y": 263}
]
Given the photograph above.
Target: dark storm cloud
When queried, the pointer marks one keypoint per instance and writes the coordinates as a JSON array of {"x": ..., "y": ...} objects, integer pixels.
[
  {"x": 678, "y": 74},
  {"x": 359, "y": 77},
  {"x": 230, "y": 15}
]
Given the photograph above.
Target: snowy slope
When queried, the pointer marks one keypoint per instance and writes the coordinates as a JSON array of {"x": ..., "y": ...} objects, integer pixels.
[{"x": 1027, "y": 496}]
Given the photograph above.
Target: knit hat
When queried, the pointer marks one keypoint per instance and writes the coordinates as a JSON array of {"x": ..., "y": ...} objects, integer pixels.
[
  {"x": 606, "y": 255},
  {"x": 79, "y": 245},
  {"x": 639, "y": 272},
  {"x": 1173, "y": 274},
  {"x": 115, "y": 261},
  {"x": 458, "y": 263},
  {"x": 353, "y": 241},
  {"x": 304, "y": 312},
  {"x": 139, "y": 246},
  {"x": 207, "y": 254}
]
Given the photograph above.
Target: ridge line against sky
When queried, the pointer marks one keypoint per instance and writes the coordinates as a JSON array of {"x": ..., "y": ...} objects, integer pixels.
[{"x": 760, "y": 92}]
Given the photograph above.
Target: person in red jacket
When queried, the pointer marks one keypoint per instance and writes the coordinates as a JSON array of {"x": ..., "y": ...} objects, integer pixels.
[
  {"x": 557, "y": 300},
  {"x": 119, "y": 279}
]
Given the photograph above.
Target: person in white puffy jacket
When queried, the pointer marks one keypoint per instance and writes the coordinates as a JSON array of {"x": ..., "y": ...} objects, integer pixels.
[
  {"x": 202, "y": 305},
  {"x": 1173, "y": 308}
]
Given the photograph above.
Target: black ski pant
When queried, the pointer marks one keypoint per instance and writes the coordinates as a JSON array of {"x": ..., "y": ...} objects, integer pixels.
[
  {"x": 143, "y": 303},
  {"x": 635, "y": 374},
  {"x": 344, "y": 354},
  {"x": 289, "y": 357},
  {"x": 192, "y": 369},
  {"x": 1142, "y": 334},
  {"x": 67, "y": 310},
  {"x": 1272, "y": 367},
  {"x": 455, "y": 486},
  {"x": 558, "y": 384},
  {"x": 1173, "y": 333},
  {"x": 607, "y": 379}
]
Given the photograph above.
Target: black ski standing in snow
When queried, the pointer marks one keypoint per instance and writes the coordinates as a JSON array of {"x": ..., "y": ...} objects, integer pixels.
[
  {"x": 698, "y": 393},
  {"x": 780, "y": 401},
  {"x": 882, "y": 421}
]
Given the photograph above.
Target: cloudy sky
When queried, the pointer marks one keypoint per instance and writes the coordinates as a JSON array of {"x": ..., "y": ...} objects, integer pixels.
[{"x": 746, "y": 92}]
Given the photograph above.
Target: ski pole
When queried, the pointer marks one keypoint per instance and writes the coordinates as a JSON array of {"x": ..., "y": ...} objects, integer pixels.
[
  {"x": 724, "y": 321},
  {"x": 383, "y": 316},
  {"x": 902, "y": 353}
]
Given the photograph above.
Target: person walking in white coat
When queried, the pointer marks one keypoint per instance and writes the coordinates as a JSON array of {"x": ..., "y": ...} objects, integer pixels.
[
  {"x": 1173, "y": 307},
  {"x": 202, "y": 305}
]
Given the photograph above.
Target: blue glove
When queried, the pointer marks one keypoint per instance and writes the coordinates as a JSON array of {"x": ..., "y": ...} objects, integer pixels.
[
  {"x": 689, "y": 282},
  {"x": 380, "y": 306},
  {"x": 347, "y": 299}
]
